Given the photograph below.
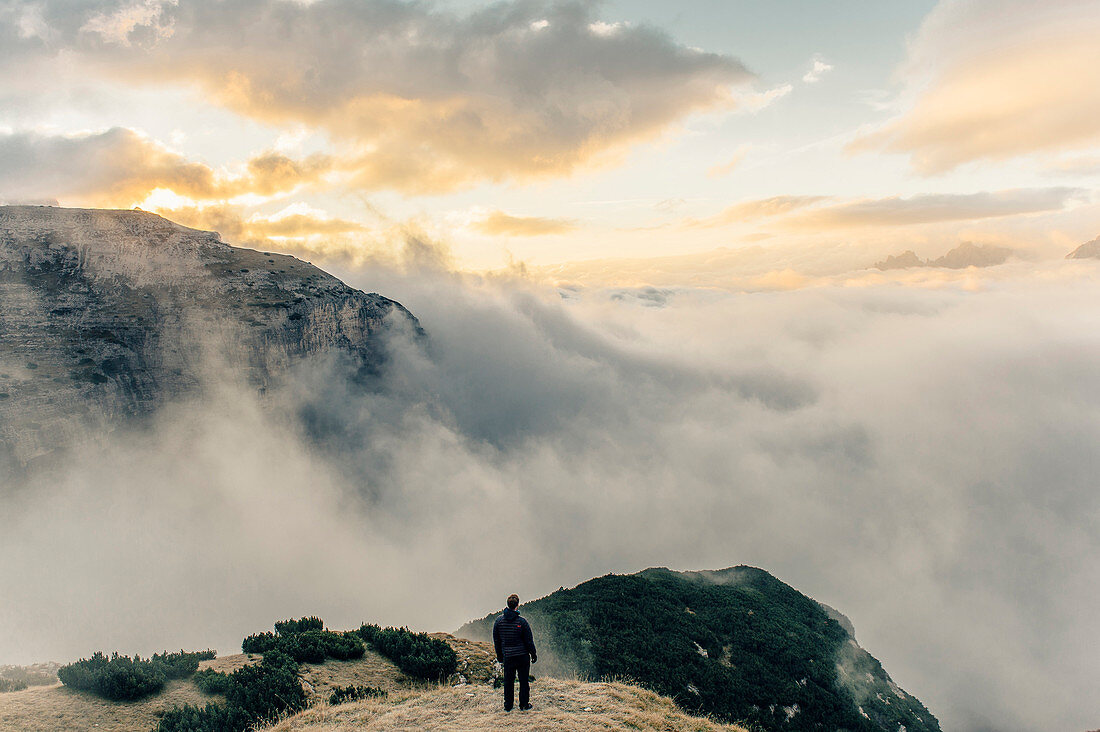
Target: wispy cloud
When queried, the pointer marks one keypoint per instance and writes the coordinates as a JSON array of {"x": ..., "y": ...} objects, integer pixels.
[
  {"x": 731, "y": 163},
  {"x": 499, "y": 223},
  {"x": 993, "y": 80},
  {"x": 933, "y": 208},
  {"x": 755, "y": 209},
  {"x": 818, "y": 69},
  {"x": 753, "y": 101}
]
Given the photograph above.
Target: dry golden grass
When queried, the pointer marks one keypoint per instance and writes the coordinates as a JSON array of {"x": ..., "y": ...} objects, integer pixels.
[
  {"x": 55, "y": 708},
  {"x": 371, "y": 670},
  {"x": 559, "y": 705},
  {"x": 410, "y": 705}
]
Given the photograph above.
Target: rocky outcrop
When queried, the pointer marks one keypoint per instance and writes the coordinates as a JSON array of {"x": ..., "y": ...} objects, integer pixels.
[
  {"x": 105, "y": 315},
  {"x": 1088, "y": 250},
  {"x": 906, "y": 259},
  {"x": 966, "y": 254}
]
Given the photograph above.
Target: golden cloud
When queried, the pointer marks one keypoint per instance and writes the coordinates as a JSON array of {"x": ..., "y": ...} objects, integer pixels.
[
  {"x": 419, "y": 99},
  {"x": 998, "y": 79},
  {"x": 932, "y": 208},
  {"x": 231, "y": 221},
  {"x": 499, "y": 223},
  {"x": 298, "y": 225},
  {"x": 754, "y": 209},
  {"x": 120, "y": 167}
]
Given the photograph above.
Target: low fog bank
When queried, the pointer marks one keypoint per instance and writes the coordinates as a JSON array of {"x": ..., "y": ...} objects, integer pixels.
[{"x": 922, "y": 460}]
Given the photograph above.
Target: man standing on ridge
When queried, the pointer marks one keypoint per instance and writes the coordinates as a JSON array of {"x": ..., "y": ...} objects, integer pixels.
[{"x": 516, "y": 650}]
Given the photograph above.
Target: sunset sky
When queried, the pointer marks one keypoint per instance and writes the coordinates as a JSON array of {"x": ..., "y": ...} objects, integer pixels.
[
  {"x": 792, "y": 139},
  {"x": 640, "y": 238}
]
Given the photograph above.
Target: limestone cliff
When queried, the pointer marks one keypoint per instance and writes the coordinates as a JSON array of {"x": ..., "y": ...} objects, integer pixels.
[{"x": 105, "y": 315}]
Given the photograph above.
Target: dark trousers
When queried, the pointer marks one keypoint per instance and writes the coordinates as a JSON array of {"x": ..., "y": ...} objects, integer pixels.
[{"x": 517, "y": 665}]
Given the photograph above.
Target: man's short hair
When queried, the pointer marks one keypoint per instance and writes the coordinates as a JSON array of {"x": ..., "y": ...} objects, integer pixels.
[{"x": 513, "y": 601}]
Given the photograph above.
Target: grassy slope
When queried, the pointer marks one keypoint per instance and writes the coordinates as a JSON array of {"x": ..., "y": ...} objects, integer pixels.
[
  {"x": 559, "y": 705},
  {"x": 52, "y": 708},
  {"x": 411, "y": 705}
]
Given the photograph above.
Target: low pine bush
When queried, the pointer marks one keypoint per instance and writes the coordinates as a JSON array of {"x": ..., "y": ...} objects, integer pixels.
[
  {"x": 306, "y": 641},
  {"x": 118, "y": 678},
  {"x": 301, "y": 625},
  {"x": 121, "y": 678},
  {"x": 191, "y": 718},
  {"x": 343, "y": 694},
  {"x": 265, "y": 690},
  {"x": 254, "y": 695},
  {"x": 210, "y": 681},
  {"x": 181, "y": 665},
  {"x": 417, "y": 654},
  {"x": 260, "y": 643}
]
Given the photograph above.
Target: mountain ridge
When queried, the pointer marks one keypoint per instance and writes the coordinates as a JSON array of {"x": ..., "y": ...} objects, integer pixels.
[
  {"x": 109, "y": 314},
  {"x": 966, "y": 254},
  {"x": 735, "y": 643},
  {"x": 1088, "y": 250}
]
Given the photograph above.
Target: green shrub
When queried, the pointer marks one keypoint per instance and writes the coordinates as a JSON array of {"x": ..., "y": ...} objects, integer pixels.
[
  {"x": 260, "y": 643},
  {"x": 301, "y": 625},
  {"x": 308, "y": 647},
  {"x": 190, "y": 718},
  {"x": 263, "y": 691},
  {"x": 210, "y": 681},
  {"x": 417, "y": 654},
  {"x": 121, "y": 678},
  {"x": 345, "y": 646},
  {"x": 343, "y": 694},
  {"x": 306, "y": 641},
  {"x": 181, "y": 665},
  {"x": 118, "y": 678},
  {"x": 254, "y": 695},
  {"x": 259, "y": 693}
]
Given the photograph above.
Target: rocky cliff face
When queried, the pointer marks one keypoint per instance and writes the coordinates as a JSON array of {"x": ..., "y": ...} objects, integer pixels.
[{"x": 107, "y": 314}]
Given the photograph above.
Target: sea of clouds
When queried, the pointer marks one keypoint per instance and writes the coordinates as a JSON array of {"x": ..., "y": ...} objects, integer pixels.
[{"x": 922, "y": 458}]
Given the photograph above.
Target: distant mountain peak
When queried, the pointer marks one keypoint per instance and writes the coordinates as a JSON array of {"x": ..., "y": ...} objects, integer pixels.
[
  {"x": 1088, "y": 250},
  {"x": 966, "y": 254}
]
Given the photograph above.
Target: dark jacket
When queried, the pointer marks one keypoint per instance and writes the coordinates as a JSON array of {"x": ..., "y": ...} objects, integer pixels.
[{"x": 512, "y": 636}]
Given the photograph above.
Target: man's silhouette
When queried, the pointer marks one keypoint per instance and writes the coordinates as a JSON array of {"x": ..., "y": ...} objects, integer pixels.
[{"x": 516, "y": 650}]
